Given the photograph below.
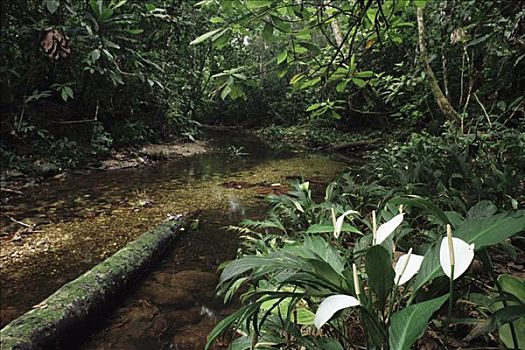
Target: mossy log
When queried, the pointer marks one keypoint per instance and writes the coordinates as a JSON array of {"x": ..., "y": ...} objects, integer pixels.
[{"x": 69, "y": 308}]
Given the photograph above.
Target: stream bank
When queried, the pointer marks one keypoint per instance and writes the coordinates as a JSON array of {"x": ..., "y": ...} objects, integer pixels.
[{"x": 92, "y": 216}]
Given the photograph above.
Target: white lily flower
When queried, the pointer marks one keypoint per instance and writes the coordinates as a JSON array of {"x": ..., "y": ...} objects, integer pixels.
[
  {"x": 340, "y": 221},
  {"x": 385, "y": 230},
  {"x": 455, "y": 252},
  {"x": 407, "y": 266},
  {"x": 331, "y": 305}
]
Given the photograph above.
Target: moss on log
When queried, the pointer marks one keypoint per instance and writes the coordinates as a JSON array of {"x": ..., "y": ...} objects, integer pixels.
[{"x": 71, "y": 306}]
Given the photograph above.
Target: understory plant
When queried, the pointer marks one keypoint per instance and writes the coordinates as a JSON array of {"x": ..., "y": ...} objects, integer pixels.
[{"x": 337, "y": 280}]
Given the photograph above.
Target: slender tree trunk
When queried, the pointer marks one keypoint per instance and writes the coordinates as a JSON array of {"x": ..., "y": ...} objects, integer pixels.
[{"x": 444, "y": 104}]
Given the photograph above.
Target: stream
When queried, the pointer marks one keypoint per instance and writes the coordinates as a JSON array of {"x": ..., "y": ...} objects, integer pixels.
[{"x": 85, "y": 218}]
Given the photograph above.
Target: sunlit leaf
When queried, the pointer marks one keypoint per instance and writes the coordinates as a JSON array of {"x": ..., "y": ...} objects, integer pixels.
[
  {"x": 281, "y": 57},
  {"x": 205, "y": 36}
]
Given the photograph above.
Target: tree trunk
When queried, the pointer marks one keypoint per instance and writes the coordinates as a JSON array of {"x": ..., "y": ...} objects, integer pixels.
[
  {"x": 444, "y": 104},
  {"x": 68, "y": 309}
]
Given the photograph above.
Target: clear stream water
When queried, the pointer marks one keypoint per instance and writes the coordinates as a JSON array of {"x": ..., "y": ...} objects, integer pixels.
[{"x": 173, "y": 306}]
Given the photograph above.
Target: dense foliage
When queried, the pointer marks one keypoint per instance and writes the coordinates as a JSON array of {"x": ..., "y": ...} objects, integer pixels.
[{"x": 438, "y": 83}]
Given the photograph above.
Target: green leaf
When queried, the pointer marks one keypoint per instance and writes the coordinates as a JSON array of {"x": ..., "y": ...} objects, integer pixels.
[
  {"x": 420, "y": 3},
  {"x": 310, "y": 47},
  {"x": 281, "y": 57},
  {"x": 282, "y": 72},
  {"x": 296, "y": 78},
  {"x": 52, "y": 5},
  {"x": 341, "y": 86},
  {"x": 358, "y": 82},
  {"x": 516, "y": 287},
  {"x": 409, "y": 324},
  {"x": 421, "y": 203},
  {"x": 380, "y": 273},
  {"x": 255, "y": 4},
  {"x": 328, "y": 228},
  {"x": 217, "y": 20},
  {"x": 491, "y": 230},
  {"x": 430, "y": 268},
  {"x": 135, "y": 31},
  {"x": 268, "y": 33},
  {"x": 226, "y": 91},
  {"x": 513, "y": 285},
  {"x": 219, "y": 41},
  {"x": 95, "y": 55},
  {"x": 482, "y": 209},
  {"x": 304, "y": 34},
  {"x": 68, "y": 92},
  {"x": 310, "y": 82},
  {"x": 313, "y": 108},
  {"x": 364, "y": 74},
  {"x": 205, "y": 36}
]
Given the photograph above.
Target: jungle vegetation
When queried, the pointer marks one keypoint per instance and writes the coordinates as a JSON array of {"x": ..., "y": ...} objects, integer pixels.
[{"x": 440, "y": 83}]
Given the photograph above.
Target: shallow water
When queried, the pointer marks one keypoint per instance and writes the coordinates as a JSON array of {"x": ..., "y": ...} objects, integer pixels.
[{"x": 95, "y": 214}]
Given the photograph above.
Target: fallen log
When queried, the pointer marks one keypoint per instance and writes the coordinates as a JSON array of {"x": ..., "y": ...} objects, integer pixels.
[
  {"x": 355, "y": 144},
  {"x": 71, "y": 306}
]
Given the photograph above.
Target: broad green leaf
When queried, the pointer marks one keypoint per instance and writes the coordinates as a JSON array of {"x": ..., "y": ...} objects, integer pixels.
[
  {"x": 216, "y": 20},
  {"x": 282, "y": 71},
  {"x": 310, "y": 47},
  {"x": 422, "y": 203},
  {"x": 364, "y": 74},
  {"x": 482, "y": 209},
  {"x": 491, "y": 230},
  {"x": 221, "y": 40},
  {"x": 329, "y": 228},
  {"x": 380, "y": 273},
  {"x": 268, "y": 33},
  {"x": 314, "y": 106},
  {"x": 281, "y": 57},
  {"x": 226, "y": 91},
  {"x": 310, "y": 82},
  {"x": 281, "y": 25},
  {"x": 205, "y": 36},
  {"x": 408, "y": 324},
  {"x": 430, "y": 268},
  {"x": 341, "y": 86},
  {"x": 420, "y": 3},
  {"x": 304, "y": 34},
  {"x": 513, "y": 285},
  {"x": 516, "y": 287},
  {"x": 255, "y": 4},
  {"x": 358, "y": 82}
]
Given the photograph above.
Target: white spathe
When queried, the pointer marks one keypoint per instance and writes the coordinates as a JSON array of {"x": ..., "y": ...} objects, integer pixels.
[
  {"x": 331, "y": 305},
  {"x": 406, "y": 267},
  {"x": 463, "y": 255},
  {"x": 340, "y": 221},
  {"x": 387, "y": 228}
]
